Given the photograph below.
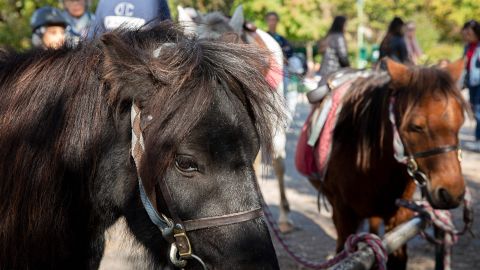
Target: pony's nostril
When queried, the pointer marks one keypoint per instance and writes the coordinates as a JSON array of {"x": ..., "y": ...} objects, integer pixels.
[{"x": 444, "y": 196}]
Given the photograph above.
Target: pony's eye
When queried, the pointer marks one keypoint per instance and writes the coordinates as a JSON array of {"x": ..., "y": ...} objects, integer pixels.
[
  {"x": 186, "y": 164},
  {"x": 416, "y": 128}
]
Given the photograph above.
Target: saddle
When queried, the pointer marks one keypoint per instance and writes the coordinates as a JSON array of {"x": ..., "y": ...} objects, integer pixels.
[
  {"x": 316, "y": 137},
  {"x": 334, "y": 80}
]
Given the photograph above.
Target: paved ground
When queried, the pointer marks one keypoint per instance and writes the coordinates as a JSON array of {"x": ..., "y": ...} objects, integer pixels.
[{"x": 315, "y": 235}]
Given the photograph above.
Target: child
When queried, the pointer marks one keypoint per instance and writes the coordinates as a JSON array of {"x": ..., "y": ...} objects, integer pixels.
[
  {"x": 79, "y": 18},
  {"x": 48, "y": 28}
]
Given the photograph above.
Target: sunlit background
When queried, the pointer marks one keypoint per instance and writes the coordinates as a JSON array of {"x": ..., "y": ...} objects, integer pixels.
[{"x": 304, "y": 22}]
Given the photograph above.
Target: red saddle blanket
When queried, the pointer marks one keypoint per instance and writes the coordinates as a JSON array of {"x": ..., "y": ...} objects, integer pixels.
[{"x": 315, "y": 141}]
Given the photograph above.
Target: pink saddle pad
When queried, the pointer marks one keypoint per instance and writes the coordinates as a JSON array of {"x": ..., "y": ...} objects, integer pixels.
[
  {"x": 325, "y": 141},
  {"x": 312, "y": 161},
  {"x": 304, "y": 158}
]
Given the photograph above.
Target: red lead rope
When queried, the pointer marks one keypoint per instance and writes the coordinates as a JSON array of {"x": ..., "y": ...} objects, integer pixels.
[
  {"x": 441, "y": 219},
  {"x": 351, "y": 246}
]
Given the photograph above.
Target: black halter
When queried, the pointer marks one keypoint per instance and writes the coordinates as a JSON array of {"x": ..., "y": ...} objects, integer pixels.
[
  {"x": 436, "y": 151},
  {"x": 412, "y": 167}
]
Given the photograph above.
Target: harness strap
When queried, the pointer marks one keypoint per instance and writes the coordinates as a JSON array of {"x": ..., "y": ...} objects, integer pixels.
[
  {"x": 398, "y": 147},
  {"x": 161, "y": 221},
  {"x": 210, "y": 222},
  {"x": 436, "y": 151},
  {"x": 172, "y": 231}
]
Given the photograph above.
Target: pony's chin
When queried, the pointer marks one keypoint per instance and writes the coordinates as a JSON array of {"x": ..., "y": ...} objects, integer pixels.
[{"x": 443, "y": 206}]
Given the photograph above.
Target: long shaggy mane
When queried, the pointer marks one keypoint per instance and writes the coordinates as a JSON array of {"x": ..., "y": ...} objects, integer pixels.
[
  {"x": 363, "y": 120},
  {"x": 61, "y": 111}
]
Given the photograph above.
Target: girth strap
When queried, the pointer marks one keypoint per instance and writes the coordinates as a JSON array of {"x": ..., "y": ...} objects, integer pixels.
[{"x": 210, "y": 222}]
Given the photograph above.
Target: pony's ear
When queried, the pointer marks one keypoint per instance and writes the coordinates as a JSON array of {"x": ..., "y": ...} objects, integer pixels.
[
  {"x": 124, "y": 69},
  {"x": 399, "y": 73},
  {"x": 237, "y": 20},
  {"x": 455, "y": 69},
  {"x": 118, "y": 54},
  {"x": 189, "y": 26}
]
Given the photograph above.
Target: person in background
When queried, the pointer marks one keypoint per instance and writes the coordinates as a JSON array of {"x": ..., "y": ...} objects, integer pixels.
[
  {"x": 334, "y": 49},
  {"x": 443, "y": 63},
  {"x": 471, "y": 36},
  {"x": 296, "y": 71},
  {"x": 272, "y": 20},
  {"x": 393, "y": 45},
  {"x": 111, "y": 14},
  {"x": 414, "y": 50},
  {"x": 48, "y": 28},
  {"x": 77, "y": 14}
]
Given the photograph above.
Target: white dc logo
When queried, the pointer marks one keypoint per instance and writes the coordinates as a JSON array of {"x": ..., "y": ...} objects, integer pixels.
[{"x": 124, "y": 9}]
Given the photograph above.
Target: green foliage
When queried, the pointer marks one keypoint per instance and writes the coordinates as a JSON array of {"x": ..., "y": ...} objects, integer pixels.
[
  {"x": 438, "y": 21},
  {"x": 450, "y": 15},
  {"x": 203, "y": 6},
  {"x": 427, "y": 34},
  {"x": 431, "y": 41},
  {"x": 442, "y": 51},
  {"x": 300, "y": 20},
  {"x": 15, "y": 21}
]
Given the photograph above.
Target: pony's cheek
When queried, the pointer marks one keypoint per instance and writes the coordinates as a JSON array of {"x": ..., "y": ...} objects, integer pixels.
[{"x": 412, "y": 141}]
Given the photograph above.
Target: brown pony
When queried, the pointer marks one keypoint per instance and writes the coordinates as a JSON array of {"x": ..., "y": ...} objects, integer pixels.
[{"x": 363, "y": 179}]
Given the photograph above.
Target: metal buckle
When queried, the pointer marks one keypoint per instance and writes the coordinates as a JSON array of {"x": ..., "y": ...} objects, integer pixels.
[
  {"x": 182, "y": 242},
  {"x": 419, "y": 177},
  {"x": 177, "y": 262},
  {"x": 181, "y": 263},
  {"x": 183, "y": 245},
  {"x": 412, "y": 167}
]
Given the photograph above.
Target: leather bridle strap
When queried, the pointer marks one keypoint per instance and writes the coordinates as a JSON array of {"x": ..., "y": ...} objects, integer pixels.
[
  {"x": 218, "y": 221},
  {"x": 435, "y": 151}
]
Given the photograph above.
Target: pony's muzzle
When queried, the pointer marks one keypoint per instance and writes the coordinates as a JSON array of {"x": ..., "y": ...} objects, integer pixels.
[{"x": 444, "y": 199}]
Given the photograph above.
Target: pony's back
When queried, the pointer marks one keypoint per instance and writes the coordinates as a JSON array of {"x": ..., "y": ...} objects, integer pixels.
[{"x": 47, "y": 117}]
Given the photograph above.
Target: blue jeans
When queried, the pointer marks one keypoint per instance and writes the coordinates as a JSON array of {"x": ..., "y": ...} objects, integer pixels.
[{"x": 474, "y": 92}]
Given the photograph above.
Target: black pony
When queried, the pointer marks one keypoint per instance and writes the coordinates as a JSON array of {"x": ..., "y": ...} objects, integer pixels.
[{"x": 66, "y": 169}]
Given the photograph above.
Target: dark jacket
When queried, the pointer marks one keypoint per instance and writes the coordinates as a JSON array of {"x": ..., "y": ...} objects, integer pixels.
[
  {"x": 335, "y": 55},
  {"x": 111, "y": 14},
  {"x": 395, "y": 47},
  {"x": 283, "y": 42}
]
